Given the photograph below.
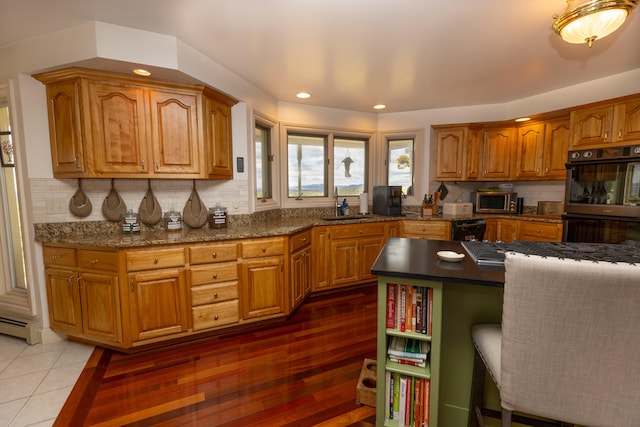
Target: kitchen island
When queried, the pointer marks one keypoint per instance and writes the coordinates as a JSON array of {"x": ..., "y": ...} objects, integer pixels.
[{"x": 464, "y": 294}]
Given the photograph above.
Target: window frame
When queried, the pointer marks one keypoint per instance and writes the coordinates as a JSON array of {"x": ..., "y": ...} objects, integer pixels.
[
  {"x": 331, "y": 134},
  {"x": 264, "y": 204},
  {"x": 420, "y": 168}
]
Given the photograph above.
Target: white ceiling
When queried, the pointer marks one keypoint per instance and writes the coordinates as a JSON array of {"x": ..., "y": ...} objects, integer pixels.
[{"x": 352, "y": 54}]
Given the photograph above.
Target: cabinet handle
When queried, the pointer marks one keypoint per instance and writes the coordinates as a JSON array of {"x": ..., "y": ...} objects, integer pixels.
[
  {"x": 71, "y": 279},
  {"x": 131, "y": 286},
  {"x": 606, "y": 135},
  {"x": 94, "y": 261},
  {"x": 215, "y": 255},
  {"x": 216, "y": 317},
  {"x": 304, "y": 239},
  {"x": 619, "y": 133},
  {"x": 142, "y": 164},
  {"x": 157, "y": 165},
  {"x": 215, "y": 295},
  {"x": 56, "y": 257},
  {"x": 264, "y": 249},
  {"x": 155, "y": 260},
  {"x": 215, "y": 275}
]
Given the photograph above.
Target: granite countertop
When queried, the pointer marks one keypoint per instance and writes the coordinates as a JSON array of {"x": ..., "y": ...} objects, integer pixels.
[{"x": 108, "y": 234}]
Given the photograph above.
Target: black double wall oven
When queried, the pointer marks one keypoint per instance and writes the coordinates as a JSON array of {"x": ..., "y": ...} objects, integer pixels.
[{"x": 602, "y": 200}]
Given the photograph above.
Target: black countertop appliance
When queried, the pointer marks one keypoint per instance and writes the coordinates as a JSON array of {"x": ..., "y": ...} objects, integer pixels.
[{"x": 387, "y": 200}]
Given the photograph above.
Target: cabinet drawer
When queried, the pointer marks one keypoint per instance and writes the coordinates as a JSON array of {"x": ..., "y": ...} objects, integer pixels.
[
  {"x": 263, "y": 247},
  {"x": 349, "y": 231},
  {"x": 428, "y": 229},
  {"x": 540, "y": 231},
  {"x": 209, "y": 294},
  {"x": 215, "y": 315},
  {"x": 59, "y": 256},
  {"x": 98, "y": 260},
  {"x": 155, "y": 259},
  {"x": 213, "y": 253},
  {"x": 222, "y": 272},
  {"x": 299, "y": 240}
]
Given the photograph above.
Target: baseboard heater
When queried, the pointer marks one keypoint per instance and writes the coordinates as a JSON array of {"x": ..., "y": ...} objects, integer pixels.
[{"x": 27, "y": 329}]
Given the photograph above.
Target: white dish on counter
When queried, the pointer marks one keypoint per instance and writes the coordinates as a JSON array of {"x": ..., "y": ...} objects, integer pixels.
[{"x": 450, "y": 256}]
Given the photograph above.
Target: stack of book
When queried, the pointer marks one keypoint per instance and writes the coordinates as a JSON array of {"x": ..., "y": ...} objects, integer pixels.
[
  {"x": 407, "y": 400},
  {"x": 409, "y": 308},
  {"x": 408, "y": 351}
]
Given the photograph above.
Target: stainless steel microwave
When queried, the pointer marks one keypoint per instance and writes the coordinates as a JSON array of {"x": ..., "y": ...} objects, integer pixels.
[{"x": 495, "y": 202}]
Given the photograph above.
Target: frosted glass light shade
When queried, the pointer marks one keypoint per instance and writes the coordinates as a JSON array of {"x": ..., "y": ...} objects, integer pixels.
[{"x": 593, "y": 20}]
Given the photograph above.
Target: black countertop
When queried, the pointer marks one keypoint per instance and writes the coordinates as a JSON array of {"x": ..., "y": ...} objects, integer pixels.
[{"x": 417, "y": 259}]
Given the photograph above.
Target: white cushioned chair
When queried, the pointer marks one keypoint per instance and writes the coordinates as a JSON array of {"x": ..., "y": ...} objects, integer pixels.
[{"x": 568, "y": 348}]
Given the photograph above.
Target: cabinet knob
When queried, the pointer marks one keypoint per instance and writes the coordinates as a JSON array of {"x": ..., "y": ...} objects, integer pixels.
[
  {"x": 216, "y": 317},
  {"x": 214, "y": 255},
  {"x": 94, "y": 261},
  {"x": 215, "y": 275},
  {"x": 606, "y": 135},
  {"x": 155, "y": 260},
  {"x": 619, "y": 133},
  {"x": 264, "y": 249},
  {"x": 304, "y": 239},
  {"x": 142, "y": 164},
  {"x": 157, "y": 165},
  {"x": 215, "y": 295},
  {"x": 55, "y": 256}
]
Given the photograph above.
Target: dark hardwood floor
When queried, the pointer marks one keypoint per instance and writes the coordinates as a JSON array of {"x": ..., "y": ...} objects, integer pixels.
[{"x": 302, "y": 372}]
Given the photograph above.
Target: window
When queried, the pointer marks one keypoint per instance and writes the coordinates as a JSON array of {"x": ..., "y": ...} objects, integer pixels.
[
  {"x": 307, "y": 174},
  {"x": 264, "y": 159},
  {"x": 350, "y": 166},
  {"x": 400, "y": 161}
]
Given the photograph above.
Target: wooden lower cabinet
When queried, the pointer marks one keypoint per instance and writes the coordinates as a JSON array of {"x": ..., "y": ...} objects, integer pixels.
[
  {"x": 262, "y": 279},
  {"x": 300, "y": 268},
  {"x": 262, "y": 288},
  {"x": 539, "y": 231},
  {"x": 83, "y": 293},
  {"x": 430, "y": 230},
  {"x": 320, "y": 259},
  {"x": 157, "y": 303}
]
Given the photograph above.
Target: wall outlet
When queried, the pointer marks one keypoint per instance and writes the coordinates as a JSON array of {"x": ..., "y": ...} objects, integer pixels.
[{"x": 57, "y": 206}]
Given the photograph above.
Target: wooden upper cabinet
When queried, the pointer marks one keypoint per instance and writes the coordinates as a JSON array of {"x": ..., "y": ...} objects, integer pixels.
[
  {"x": 604, "y": 125},
  {"x": 556, "y": 148},
  {"x": 65, "y": 129},
  {"x": 530, "y": 151},
  {"x": 450, "y": 146},
  {"x": 497, "y": 153},
  {"x": 541, "y": 150},
  {"x": 176, "y": 140},
  {"x": 118, "y": 139},
  {"x": 217, "y": 135},
  {"x": 109, "y": 125},
  {"x": 457, "y": 153}
]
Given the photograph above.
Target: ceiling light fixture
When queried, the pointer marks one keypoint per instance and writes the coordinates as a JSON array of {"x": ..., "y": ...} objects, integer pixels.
[
  {"x": 303, "y": 95},
  {"x": 141, "y": 72},
  {"x": 592, "y": 20},
  {"x": 379, "y": 107},
  {"x": 523, "y": 119}
]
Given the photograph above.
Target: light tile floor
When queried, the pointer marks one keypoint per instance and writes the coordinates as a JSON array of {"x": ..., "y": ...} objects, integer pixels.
[{"x": 35, "y": 380}]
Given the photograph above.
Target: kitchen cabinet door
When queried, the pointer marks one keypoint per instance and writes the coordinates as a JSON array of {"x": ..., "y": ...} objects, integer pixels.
[
  {"x": 497, "y": 153},
  {"x": 592, "y": 126},
  {"x": 530, "y": 148},
  {"x": 118, "y": 142},
  {"x": 262, "y": 288},
  {"x": 368, "y": 251},
  {"x": 320, "y": 265},
  {"x": 300, "y": 276},
  {"x": 176, "y": 140},
  {"x": 65, "y": 129},
  {"x": 556, "y": 148},
  {"x": 63, "y": 300},
  {"x": 450, "y": 151},
  {"x": 344, "y": 256},
  {"x": 157, "y": 303},
  {"x": 217, "y": 136},
  {"x": 100, "y": 306}
]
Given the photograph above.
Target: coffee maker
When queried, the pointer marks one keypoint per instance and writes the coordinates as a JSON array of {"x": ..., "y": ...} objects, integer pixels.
[{"x": 387, "y": 200}]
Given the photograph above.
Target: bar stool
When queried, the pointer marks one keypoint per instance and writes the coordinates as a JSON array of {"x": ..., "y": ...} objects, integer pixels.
[{"x": 568, "y": 347}]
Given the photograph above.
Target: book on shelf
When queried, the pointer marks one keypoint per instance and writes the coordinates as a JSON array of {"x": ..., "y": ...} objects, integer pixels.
[
  {"x": 409, "y": 401},
  {"x": 409, "y": 308}
]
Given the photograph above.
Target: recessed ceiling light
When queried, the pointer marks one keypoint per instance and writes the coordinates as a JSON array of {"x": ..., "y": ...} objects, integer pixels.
[
  {"x": 379, "y": 107},
  {"x": 303, "y": 95},
  {"x": 523, "y": 119},
  {"x": 141, "y": 72}
]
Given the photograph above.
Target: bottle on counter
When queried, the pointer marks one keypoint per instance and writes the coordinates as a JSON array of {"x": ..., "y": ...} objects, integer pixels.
[{"x": 218, "y": 217}]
